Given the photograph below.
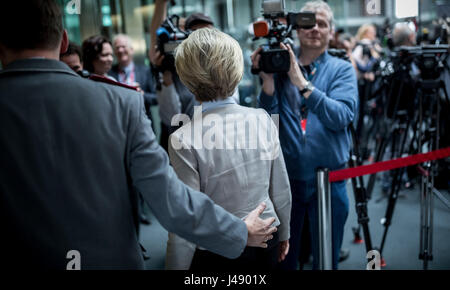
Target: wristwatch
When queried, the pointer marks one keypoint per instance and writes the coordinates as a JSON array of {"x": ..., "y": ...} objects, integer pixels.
[{"x": 308, "y": 88}]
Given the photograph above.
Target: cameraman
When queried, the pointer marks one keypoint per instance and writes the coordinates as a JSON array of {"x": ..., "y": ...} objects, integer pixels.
[
  {"x": 173, "y": 97},
  {"x": 316, "y": 101}
]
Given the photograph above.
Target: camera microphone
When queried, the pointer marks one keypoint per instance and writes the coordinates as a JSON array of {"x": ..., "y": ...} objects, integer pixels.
[
  {"x": 163, "y": 34},
  {"x": 261, "y": 28}
]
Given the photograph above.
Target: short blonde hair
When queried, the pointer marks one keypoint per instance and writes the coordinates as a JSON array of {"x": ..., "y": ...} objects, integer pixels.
[
  {"x": 363, "y": 30},
  {"x": 210, "y": 64}
]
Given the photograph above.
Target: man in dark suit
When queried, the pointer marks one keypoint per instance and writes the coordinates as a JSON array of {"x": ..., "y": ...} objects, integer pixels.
[{"x": 73, "y": 152}]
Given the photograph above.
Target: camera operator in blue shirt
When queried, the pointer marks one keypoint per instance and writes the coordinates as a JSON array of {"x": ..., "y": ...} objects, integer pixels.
[{"x": 316, "y": 101}]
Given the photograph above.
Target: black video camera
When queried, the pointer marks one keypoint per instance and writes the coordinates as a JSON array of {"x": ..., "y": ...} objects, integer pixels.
[
  {"x": 169, "y": 36},
  {"x": 429, "y": 59},
  {"x": 277, "y": 27}
]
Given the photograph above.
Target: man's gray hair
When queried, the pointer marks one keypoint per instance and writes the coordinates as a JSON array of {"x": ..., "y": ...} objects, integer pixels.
[
  {"x": 319, "y": 5},
  {"x": 401, "y": 34},
  {"x": 126, "y": 37}
]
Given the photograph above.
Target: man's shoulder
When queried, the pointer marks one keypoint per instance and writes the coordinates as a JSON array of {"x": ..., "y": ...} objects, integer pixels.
[
  {"x": 142, "y": 67},
  {"x": 250, "y": 111},
  {"x": 340, "y": 66},
  {"x": 108, "y": 88}
]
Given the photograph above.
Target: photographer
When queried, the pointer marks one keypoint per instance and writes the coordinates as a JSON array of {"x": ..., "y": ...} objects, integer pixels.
[
  {"x": 366, "y": 52},
  {"x": 316, "y": 101}
]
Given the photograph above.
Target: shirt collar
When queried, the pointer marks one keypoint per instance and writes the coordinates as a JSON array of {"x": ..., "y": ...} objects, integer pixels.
[
  {"x": 128, "y": 68},
  {"x": 38, "y": 65},
  {"x": 207, "y": 106}
]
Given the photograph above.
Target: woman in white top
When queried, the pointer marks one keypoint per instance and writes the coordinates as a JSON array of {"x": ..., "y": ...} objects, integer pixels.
[{"x": 229, "y": 152}]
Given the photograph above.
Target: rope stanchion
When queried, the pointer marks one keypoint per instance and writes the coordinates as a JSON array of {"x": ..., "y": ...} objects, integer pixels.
[
  {"x": 324, "y": 219},
  {"x": 388, "y": 165}
]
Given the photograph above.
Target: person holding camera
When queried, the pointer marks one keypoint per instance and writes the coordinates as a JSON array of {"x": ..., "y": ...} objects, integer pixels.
[
  {"x": 173, "y": 97},
  {"x": 316, "y": 101}
]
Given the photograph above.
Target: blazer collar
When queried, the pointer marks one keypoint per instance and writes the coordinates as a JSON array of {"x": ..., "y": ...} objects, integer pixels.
[{"x": 38, "y": 65}]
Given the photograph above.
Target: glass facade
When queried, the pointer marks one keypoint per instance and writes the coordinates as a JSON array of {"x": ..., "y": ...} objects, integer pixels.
[{"x": 133, "y": 17}]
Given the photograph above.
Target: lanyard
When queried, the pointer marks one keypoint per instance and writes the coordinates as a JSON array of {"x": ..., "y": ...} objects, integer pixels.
[{"x": 303, "y": 110}]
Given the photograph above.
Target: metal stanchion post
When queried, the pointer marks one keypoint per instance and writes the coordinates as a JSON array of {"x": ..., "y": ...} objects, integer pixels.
[{"x": 324, "y": 211}]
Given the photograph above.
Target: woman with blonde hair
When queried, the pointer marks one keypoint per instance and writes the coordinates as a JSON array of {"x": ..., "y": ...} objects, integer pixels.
[
  {"x": 236, "y": 158},
  {"x": 367, "y": 51}
]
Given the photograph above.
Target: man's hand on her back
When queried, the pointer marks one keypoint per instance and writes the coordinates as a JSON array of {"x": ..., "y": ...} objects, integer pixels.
[{"x": 259, "y": 230}]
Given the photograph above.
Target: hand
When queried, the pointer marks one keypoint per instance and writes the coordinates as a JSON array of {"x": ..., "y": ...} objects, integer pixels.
[
  {"x": 268, "y": 85},
  {"x": 283, "y": 251},
  {"x": 156, "y": 58},
  {"x": 295, "y": 74},
  {"x": 167, "y": 78},
  {"x": 259, "y": 231}
]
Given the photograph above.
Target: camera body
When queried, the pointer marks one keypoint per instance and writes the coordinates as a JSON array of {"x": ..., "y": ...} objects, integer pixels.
[
  {"x": 169, "y": 36},
  {"x": 277, "y": 28},
  {"x": 429, "y": 59}
]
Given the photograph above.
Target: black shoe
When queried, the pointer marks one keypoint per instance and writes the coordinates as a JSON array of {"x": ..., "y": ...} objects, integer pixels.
[
  {"x": 343, "y": 255},
  {"x": 144, "y": 220},
  {"x": 144, "y": 253}
]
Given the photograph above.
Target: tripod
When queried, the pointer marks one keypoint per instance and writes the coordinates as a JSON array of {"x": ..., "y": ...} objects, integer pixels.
[
  {"x": 426, "y": 134},
  {"x": 361, "y": 198},
  {"x": 431, "y": 130},
  {"x": 393, "y": 132}
]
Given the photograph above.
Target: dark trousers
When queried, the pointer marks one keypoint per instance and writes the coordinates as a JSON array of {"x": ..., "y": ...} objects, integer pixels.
[
  {"x": 164, "y": 137},
  {"x": 304, "y": 200},
  {"x": 250, "y": 260}
]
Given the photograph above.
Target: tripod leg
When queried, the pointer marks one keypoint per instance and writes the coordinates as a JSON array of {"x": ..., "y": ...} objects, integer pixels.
[
  {"x": 396, "y": 184},
  {"x": 379, "y": 155}
]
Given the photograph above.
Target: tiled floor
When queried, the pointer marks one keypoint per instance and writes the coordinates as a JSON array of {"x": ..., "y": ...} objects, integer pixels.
[{"x": 402, "y": 244}]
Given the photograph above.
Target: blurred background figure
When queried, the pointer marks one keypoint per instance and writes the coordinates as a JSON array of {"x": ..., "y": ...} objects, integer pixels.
[
  {"x": 98, "y": 55},
  {"x": 73, "y": 57},
  {"x": 403, "y": 35},
  {"x": 128, "y": 72},
  {"x": 366, "y": 55},
  {"x": 347, "y": 42},
  {"x": 367, "y": 51}
]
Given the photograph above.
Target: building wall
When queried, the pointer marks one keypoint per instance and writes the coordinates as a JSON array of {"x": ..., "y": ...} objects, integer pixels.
[{"x": 133, "y": 17}]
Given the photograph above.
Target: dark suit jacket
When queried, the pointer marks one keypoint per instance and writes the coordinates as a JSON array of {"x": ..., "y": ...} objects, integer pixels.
[
  {"x": 72, "y": 154},
  {"x": 146, "y": 80}
]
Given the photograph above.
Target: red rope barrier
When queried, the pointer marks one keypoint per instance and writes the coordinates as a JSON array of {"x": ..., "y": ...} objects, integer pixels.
[{"x": 388, "y": 165}]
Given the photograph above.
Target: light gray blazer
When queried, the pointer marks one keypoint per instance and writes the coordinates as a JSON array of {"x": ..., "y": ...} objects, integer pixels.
[{"x": 241, "y": 171}]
